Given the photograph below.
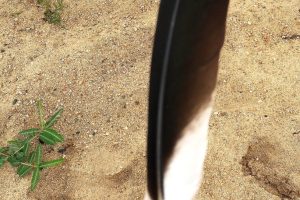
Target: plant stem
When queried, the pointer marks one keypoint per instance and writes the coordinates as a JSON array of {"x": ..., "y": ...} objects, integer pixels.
[
  {"x": 4, "y": 154},
  {"x": 27, "y": 164}
]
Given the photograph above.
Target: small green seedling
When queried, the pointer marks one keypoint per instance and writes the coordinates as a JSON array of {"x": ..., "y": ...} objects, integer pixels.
[
  {"x": 26, "y": 153},
  {"x": 53, "y": 10}
]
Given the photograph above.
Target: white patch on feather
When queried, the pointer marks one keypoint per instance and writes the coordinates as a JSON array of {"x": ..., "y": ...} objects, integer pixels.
[
  {"x": 184, "y": 172},
  {"x": 147, "y": 197}
]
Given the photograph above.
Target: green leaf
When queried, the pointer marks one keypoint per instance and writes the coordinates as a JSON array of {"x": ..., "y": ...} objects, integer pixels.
[
  {"x": 41, "y": 113},
  {"x": 31, "y": 157},
  {"x": 38, "y": 156},
  {"x": 46, "y": 139},
  {"x": 2, "y": 161},
  {"x": 51, "y": 163},
  {"x": 55, "y": 135},
  {"x": 25, "y": 169},
  {"x": 53, "y": 118},
  {"x": 30, "y": 132},
  {"x": 14, "y": 145},
  {"x": 3, "y": 149},
  {"x": 13, "y": 161},
  {"x": 35, "y": 178},
  {"x": 26, "y": 148},
  {"x": 18, "y": 152},
  {"x": 50, "y": 136},
  {"x": 28, "y": 139},
  {"x": 19, "y": 156},
  {"x": 36, "y": 173},
  {"x": 15, "y": 142}
]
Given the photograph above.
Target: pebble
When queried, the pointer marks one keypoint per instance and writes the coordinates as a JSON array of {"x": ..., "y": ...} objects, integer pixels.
[
  {"x": 15, "y": 101},
  {"x": 62, "y": 150}
]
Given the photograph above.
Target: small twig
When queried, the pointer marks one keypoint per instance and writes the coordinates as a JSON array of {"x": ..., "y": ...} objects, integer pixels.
[
  {"x": 296, "y": 133},
  {"x": 291, "y": 37}
]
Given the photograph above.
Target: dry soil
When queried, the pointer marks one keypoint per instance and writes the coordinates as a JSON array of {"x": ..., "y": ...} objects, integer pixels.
[{"x": 97, "y": 67}]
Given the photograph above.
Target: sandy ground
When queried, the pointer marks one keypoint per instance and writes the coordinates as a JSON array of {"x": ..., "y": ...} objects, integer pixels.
[{"x": 97, "y": 67}]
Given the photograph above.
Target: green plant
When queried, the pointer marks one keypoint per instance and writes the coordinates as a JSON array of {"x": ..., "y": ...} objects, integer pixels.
[
  {"x": 53, "y": 10},
  {"x": 26, "y": 153}
]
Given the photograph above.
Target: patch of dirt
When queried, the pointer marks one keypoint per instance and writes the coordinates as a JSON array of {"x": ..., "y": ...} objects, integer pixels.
[
  {"x": 97, "y": 67},
  {"x": 260, "y": 163}
]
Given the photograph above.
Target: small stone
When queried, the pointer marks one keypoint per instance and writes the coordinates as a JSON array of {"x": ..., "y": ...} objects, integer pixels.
[
  {"x": 223, "y": 114},
  {"x": 62, "y": 150},
  {"x": 15, "y": 101}
]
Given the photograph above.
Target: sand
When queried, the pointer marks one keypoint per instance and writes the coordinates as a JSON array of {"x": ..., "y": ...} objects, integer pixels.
[{"x": 96, "y": 66}]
